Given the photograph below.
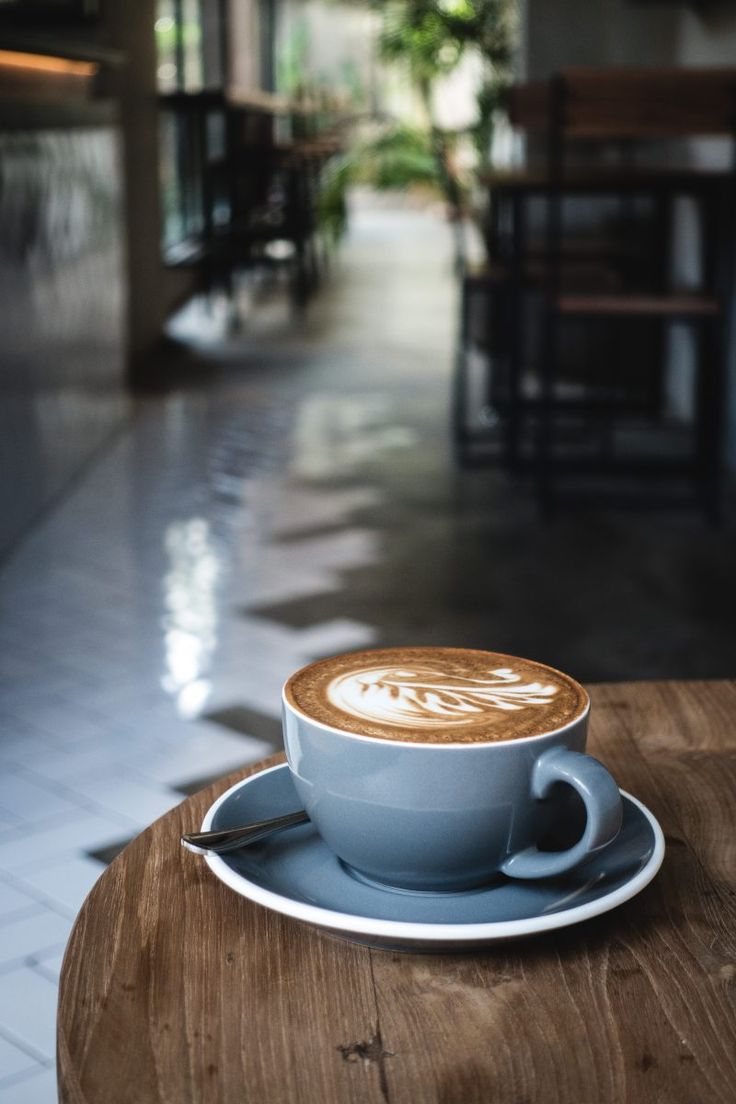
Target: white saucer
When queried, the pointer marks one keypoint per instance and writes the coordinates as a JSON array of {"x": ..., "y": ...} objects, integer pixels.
[{"x": 295, "y": 873}]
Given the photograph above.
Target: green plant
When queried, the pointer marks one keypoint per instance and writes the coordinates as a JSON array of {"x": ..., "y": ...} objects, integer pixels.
[
  {"x": 428, "y": 40},
  {"x": 332, "y": 209},
  {"x": 397, "y": 157},
  {"x": 292, "y": 62}
]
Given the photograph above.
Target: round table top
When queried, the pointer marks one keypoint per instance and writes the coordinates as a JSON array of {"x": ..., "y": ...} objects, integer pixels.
[{"x": 175, "y": 989}]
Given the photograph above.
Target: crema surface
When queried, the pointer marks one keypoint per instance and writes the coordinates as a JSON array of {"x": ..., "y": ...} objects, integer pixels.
[{"x": 436, "y": 695}]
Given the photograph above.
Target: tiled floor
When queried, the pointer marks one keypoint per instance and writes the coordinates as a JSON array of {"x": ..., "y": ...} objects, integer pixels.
[
  {"x": 131, "y": 668},
  {"x": 295, "y": 498}
]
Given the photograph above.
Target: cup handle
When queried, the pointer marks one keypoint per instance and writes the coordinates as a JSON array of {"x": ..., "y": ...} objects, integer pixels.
[{"x": 602, "y": 805}]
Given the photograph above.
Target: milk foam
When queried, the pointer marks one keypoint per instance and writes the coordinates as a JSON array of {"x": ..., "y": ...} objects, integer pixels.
[{"x": 424, "y": 697}]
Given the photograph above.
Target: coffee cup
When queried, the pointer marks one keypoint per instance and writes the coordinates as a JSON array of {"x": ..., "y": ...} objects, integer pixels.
[{"x": 438, "y": 769}]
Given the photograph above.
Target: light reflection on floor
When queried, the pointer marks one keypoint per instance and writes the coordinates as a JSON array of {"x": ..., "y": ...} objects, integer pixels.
[{"x": 190, "y": 621}]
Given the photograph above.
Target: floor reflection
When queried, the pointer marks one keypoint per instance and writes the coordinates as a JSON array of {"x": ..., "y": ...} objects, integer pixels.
[
  {"x": 190, "y": 621},
  {"x": 335, "y": 434}
]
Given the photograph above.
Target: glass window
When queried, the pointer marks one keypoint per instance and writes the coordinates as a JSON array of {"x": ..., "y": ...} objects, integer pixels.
[
  {"x": 213, "y": 44},
  {"x": 180, "y": 179},
  {"x": 172, "y": 208},
  {"x": 190, "y": 43},
  {"x": 166, "y": 46},
  {"x": 191, "y": 46}
]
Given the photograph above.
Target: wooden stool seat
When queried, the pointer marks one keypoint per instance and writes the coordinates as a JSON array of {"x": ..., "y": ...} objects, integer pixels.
[{"x": 659, "y": 306}]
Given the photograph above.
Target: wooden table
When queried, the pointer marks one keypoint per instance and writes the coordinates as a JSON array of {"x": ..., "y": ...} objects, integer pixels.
[{"x": 176, "y": 990}]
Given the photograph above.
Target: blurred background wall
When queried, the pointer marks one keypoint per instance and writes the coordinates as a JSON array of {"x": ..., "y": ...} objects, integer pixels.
[
  {"x": 62, "y": 290},
  {"x": 88, "y": 276}
]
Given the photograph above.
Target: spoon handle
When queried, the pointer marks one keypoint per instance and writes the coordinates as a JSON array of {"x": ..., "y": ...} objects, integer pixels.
[{"x": 228, "y": 839}]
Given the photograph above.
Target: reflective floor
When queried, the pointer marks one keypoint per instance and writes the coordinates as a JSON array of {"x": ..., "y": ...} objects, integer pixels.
[{"x": 292, "y": 498}]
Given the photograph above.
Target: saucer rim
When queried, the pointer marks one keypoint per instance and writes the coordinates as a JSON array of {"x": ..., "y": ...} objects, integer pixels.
[{"x": 419, "y": 930}]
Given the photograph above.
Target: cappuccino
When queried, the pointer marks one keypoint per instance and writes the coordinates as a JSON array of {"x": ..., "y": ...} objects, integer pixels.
[{"x": 436, "y": 695}]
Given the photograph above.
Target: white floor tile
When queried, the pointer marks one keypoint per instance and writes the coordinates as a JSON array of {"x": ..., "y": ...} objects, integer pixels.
[
  {"x": 67, "y": 882},
  {"x": 261, "y": 690},
  {"x": 273, "y": 584},
  {"x": 114, "y": 700},
  {"x": 49, "y": 673},
  {"x": 151, "y": 728},
  {"x": 346, "y": 548},
  {"x": 7, "y": 820},
  {"x": 48, "y": 964},
  {"x": 340, "y": 635},
  {"x": 63, "y": 721},
  {"x": 14, "y": 666},
  {"x": 38, "y": 1088},
  {"x": 127, "y": 795},
  {"x": 19, "y": 745},
  {"x": 28, "y": 1010},
  {"x": 86, "y": 831},
  {"x": 99, "y": 757},
  {"x": 44, "y": 930},
  {"x": 12, "y": 901},
  {"x": 241, "y": 648},
  {"x": 296, "y": 511},
  {"x": 203, "y": 756},
  {"x": 250, "y": 668},
  {"x": 31, "y": 801},
  {"x": 40, "y": 708},
  {"x": 13, "y": 1061},
  {"x": 23, "y": 696}
]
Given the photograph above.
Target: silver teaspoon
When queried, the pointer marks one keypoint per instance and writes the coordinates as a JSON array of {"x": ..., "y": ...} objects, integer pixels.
[{"x": 228, "y": 839}]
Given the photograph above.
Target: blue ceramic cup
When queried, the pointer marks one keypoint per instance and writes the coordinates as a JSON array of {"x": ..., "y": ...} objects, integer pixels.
[{"x": 446, "y": 816}]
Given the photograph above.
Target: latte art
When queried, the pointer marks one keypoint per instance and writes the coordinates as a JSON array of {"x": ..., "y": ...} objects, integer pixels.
[
  {"x": 435, "y": 695},
  {"x": 427, "y": 697}
]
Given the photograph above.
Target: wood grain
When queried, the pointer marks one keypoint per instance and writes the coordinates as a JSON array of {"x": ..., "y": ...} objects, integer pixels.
[
  {"x": 176, "y": 990},
  {"x": 608, "y": 103},
  {"x": 666, "y": 306}
]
